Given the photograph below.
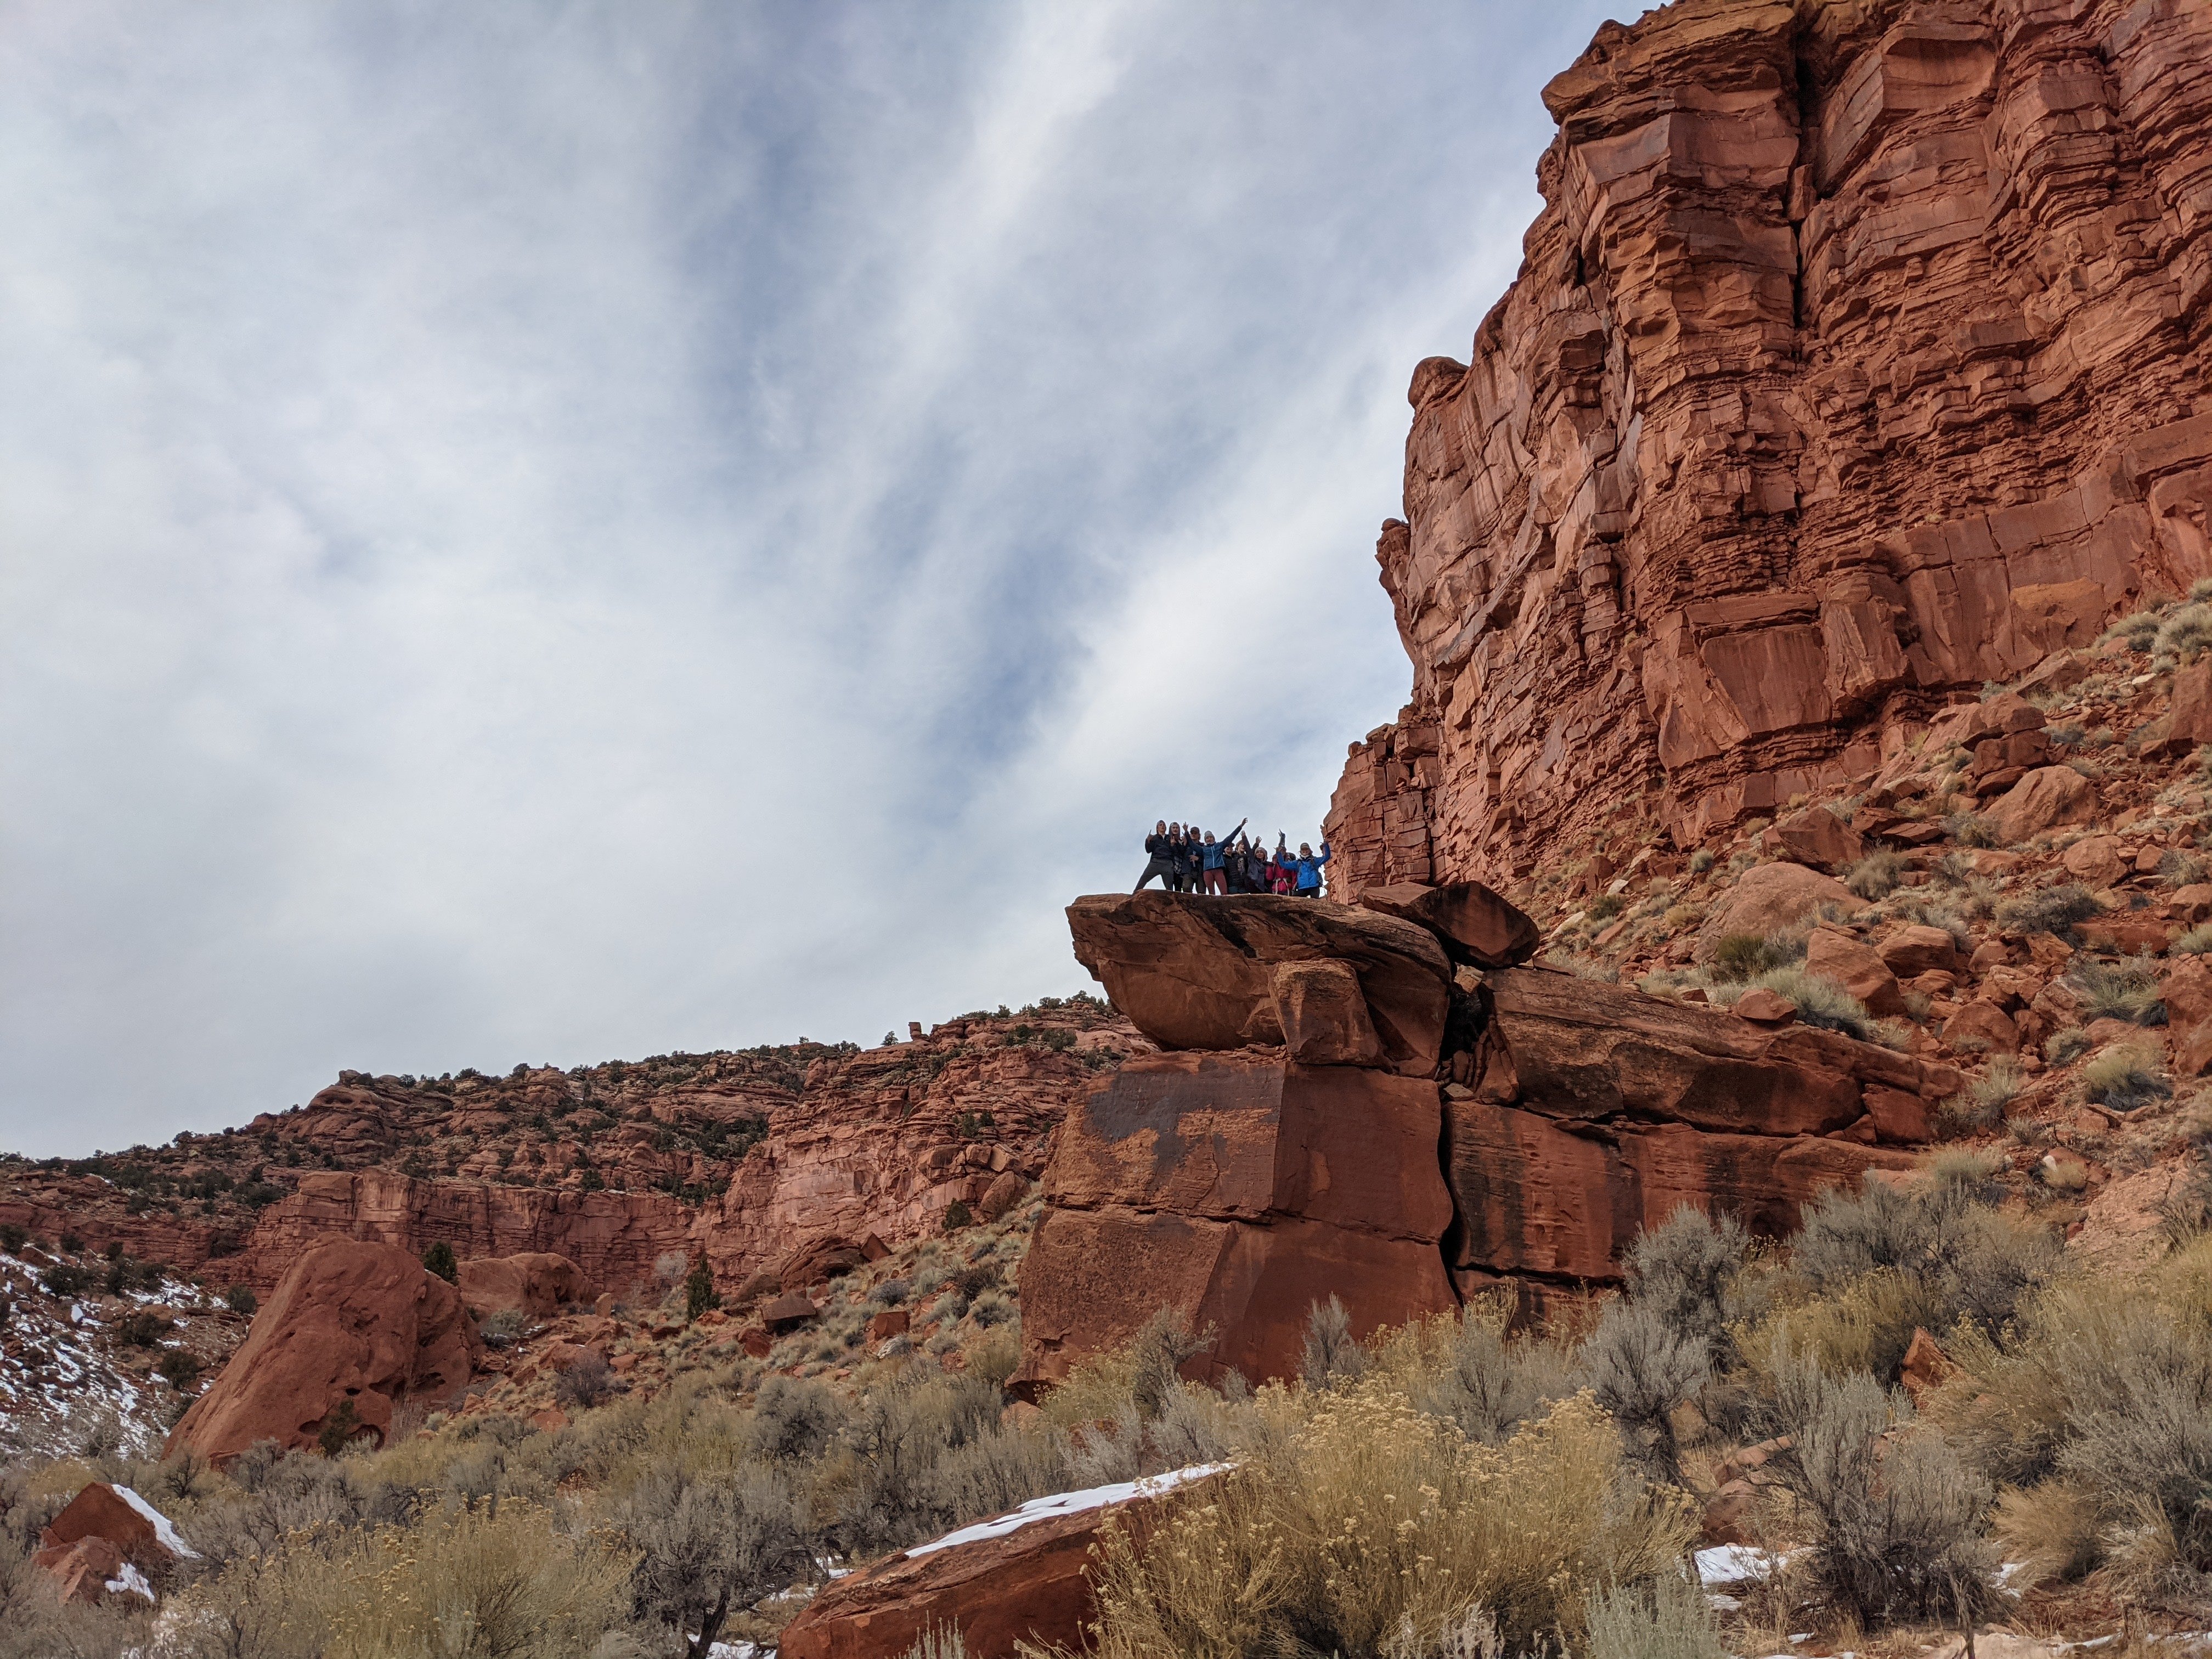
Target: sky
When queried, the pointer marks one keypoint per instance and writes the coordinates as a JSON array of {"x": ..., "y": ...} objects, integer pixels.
[{"x": 558, "y": 533}]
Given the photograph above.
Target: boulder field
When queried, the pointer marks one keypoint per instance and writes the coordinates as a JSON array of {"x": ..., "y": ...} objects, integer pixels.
[
  {"x": 1856, "y": 359},
  {"x": 1515, "y": 1123}
]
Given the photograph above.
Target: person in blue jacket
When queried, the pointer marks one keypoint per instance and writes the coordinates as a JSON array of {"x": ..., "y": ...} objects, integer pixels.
[
  {"x": 1213, "y": 860},
  {"x": 1308, "y": 868}
]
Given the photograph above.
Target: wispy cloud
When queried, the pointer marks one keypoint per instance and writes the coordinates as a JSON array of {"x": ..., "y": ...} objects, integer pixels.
[{"x": 562, "y": 532}]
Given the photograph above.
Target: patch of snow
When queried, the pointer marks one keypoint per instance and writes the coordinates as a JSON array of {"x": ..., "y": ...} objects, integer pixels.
[
  {"x": 132, "y": 1580},
  {"x": 1737, "y": 1563},
  {"x": 164, "y": 1528},
  {"x": 1067, "y": 1502}
]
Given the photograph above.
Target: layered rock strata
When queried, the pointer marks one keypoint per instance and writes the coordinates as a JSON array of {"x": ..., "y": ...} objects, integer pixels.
[
  {"x": 1558, "y": 1117},
  {"x": 1284, "y": 1153},
  {"x": 1858, "y": 357},
  {"x": 1598, "y": 1111}
]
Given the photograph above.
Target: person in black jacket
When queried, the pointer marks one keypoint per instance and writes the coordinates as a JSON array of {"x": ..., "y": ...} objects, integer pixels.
[
  {"x": 1193, "y": 853},
  {"x": 1164, "y": 861}
]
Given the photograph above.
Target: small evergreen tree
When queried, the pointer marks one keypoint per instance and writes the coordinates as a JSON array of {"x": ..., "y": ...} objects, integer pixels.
[
  {"x": 699, "y": 1291},
  {"x": 957, "y": 1215},
  {"x": 439, "y": 1259}
]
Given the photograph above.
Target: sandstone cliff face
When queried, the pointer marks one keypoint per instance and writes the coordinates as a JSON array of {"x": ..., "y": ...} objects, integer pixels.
[
  {"x": 614, "y": 1237},
  {"x": 885, "y": 1141},
  {"x": 1858, "y": 357}
]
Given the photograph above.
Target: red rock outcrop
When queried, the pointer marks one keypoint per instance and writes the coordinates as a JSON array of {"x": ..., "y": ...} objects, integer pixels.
[
  {"x": 612, "y": 1238},
  {"x": 351, "y": 1321},
  {"x": 1239, "y": 1189},
  {"x": 1600, "y": 1111},
  {"x": 1858, "y": 356},
  {"x": 758, "y": 1159},
  {"x": 1202, "y": 974},
  {"x": 107, "y": 1540},
  {"x": 537, "y": 1284},
  {"x": 1019, "y": 1578},
  {"x": 883, "y": 1142}
]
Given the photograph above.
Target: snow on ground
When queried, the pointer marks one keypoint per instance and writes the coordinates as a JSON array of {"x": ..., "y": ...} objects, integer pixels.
[
  {"x": 1067, "y": 1502},
  {"x": 63, "y": 1370}
]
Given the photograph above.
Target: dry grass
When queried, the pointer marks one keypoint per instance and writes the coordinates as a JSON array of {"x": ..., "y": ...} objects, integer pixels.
[
  {"x": 1371, "y": 1523},
  {"x": 502, "y": 1579}
]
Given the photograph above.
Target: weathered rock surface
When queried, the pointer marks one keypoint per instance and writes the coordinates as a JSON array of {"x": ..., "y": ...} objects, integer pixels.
[
  {"x": 351, "y": 1321},
  {"x": 1857, "y": 357},
  {"x": 1092, "y": 1278},
  {"x": 1475, "y": 926},
  {"x": 1195, "y": 972},
  {"x": 538, "y": 1283},
  {"x": 1602, "y": 1110},
  {"x": 1237, "y": 1189},
  {"x": 106, "y": 1541},
  {"x": 1020, "y": 1577},
  {"x": 1767, "y": 898},
  {"x": 1586, "y": 1050},
  {"x": 1237, "y": 1137}
]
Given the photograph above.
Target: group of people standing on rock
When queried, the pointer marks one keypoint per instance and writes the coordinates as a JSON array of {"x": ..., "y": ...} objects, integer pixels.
[{"x": 1188, "y": 860}]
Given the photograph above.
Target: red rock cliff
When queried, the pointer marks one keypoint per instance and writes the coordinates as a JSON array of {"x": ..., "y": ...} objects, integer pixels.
[{"x": 1857, "y": 356}]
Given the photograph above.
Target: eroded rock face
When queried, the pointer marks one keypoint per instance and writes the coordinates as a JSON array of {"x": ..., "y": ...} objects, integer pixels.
[
  {"x": 1603, "y": 1110},
  {"x": 1475, "y": 926},
  {"x": 612, "y": 1238},
  {"x": 538, "y": 1283},
  {"x": 1238, "y": 1189},
  {"x": 1195, "y": 972},
  {"x": 1857, "y": 358},
  {"x": 351, "y": 1321}
]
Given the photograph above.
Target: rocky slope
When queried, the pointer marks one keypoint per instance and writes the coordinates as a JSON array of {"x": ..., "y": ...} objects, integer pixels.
[
  {"x": 749, "y": 1158},
  {"x": 1857, "y": 358}
]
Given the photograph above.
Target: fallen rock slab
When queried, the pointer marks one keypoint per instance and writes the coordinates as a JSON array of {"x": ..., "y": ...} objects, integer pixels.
[
  {"x": 2044, "y": 800},
  {"x": 1019, "y": 1577},
  {"x": 1766, "y": 898}
]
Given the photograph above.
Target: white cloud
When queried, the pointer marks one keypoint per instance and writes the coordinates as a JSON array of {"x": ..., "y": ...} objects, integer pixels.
[{"x": 553, "y": 533}]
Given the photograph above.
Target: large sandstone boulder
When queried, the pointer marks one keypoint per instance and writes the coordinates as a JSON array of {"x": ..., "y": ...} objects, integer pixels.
[
  {"x": 1767, "y": 898},
  {"x": 1584, "y": 1049},
  {"x": 1238, "y": 1190},
  {"x": 1196, "y": 972},
  {"x": 352, "y": 1321},
  {"x": 2044, "y": 800},
  {"x": 107, "y": 1541},
  {"x": 1024, "y": 1577},
  {"x": 1601, "y": 1111},
  {"x": 1477, "y": 926},
  {"x": 537, "y": 1284}
]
